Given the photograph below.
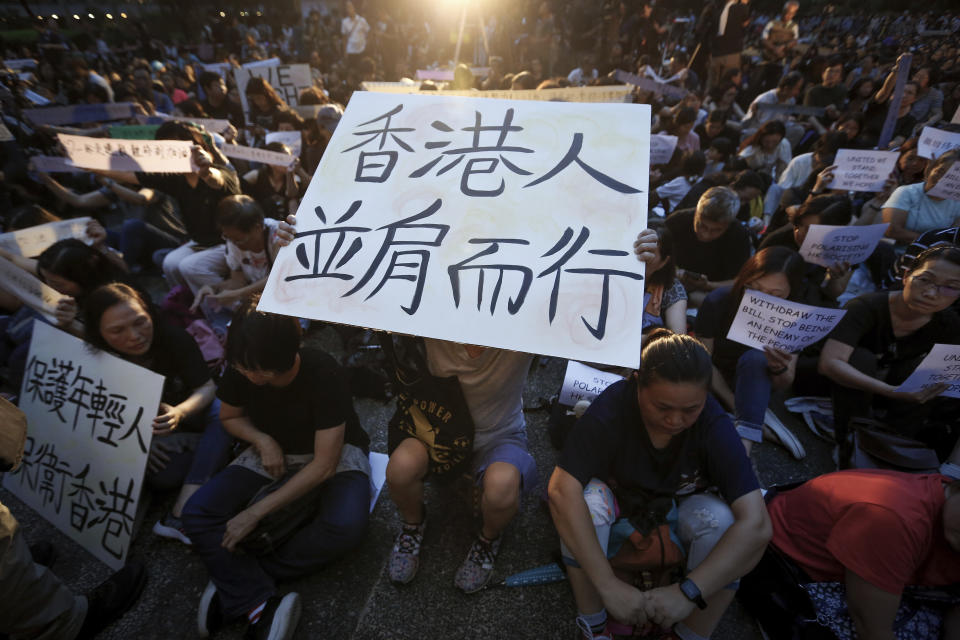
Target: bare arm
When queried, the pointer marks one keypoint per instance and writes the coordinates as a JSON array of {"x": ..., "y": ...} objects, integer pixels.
[
  {"x": 91, "y": 200},
  {"x": 873, "y": 610},
  {"x": 897, "y": 218},
  {"x": 675, "y": 317},
  {"x": 834, "y": 363}
]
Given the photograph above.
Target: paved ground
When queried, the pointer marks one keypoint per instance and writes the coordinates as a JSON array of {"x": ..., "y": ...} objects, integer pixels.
[{"x": 353, "y": 599}]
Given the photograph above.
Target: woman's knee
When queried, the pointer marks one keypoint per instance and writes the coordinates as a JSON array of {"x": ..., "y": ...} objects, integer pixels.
[
  {"x": 501, "y": 485},
  {"x": 408, "y": 463},
  {"x": 702, "y": 520},
  {"x": 752, "y": 362},
  {"x": 600, "y": 502}
]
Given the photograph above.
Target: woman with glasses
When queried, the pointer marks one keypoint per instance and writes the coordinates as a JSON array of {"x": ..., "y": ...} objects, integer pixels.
[{"x": 881, "y": 340}]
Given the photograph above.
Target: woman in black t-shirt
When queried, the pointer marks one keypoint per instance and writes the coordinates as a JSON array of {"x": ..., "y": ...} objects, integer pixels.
[
  {"x": 307, "y": 461},
  {"x": 881, "y": 340},
  {"x": 743, "y": 377},
  {"x": 189, "y": 444}
]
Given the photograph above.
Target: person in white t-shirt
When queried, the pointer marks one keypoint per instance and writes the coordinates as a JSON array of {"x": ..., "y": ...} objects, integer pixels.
[
  {"x": 251, "y": 248},
  {"x": 354, "y": 29}
]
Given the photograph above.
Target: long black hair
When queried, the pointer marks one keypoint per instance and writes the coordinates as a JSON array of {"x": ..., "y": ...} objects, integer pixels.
[
  {"x": 101, "y": 299},
  {"x": 665, "y": 275},
  {"x": 72, "y": 259}
]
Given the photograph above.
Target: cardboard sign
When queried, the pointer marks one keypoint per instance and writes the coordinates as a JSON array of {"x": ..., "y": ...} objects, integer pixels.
[
  {"x": 292, "y": 139},
  {"x": 767, "y": 321},
  {"x": 569, "y": 94},
  {"x": 862, "y": 170},
  {"x": 78, "y": 113},
  {"x": 30, "y": 290},
  {"x": 651, "y": 85},
  {"x": 287, "y": 79},
  {"x": 498, "y": 223},
  {"x": 106, "y": 154},
  {"x": 89, "y": 420},
  {"x": 948, "y": 187},
  {"x": 942, "y": 365},
  {"x": 252, "y": 154},
  {"x": 54, "y": 164},
  {"x": 829, "y": 245},
  {"x": 134, "y": 131},
  {"x": 935, "y": 142},
  {"x": 581, "y": 382},
  {"x": 32, "y": 241},
  {"x": 662, "y": 147}
]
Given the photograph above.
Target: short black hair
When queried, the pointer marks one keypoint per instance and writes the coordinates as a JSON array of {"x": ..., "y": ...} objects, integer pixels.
[
  {"x": 261, "y": 341},
  {"x": 239, "y": 212},
  {"x": 207, "y": 78},
  {"x": 673, "y": 357}
]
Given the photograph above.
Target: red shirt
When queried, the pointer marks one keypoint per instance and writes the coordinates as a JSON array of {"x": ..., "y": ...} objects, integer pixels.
[{"x": 884, "y": 526}]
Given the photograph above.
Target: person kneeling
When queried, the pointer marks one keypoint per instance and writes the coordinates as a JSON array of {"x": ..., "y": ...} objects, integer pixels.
[
  {"x": 307, "y": 463},
  {"x": 658, "y": 434}
]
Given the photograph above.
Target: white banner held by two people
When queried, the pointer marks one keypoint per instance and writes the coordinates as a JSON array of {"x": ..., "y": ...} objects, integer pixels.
[
  {"x": 940, "y": 366},
  {"x": 89, "y": 429},
  {"x": 768, "y": 321},
  {"x": 829, "y": 245},
  {"x": 29, "y": 289},
  {"x": 862, "y": 170},
  {"x": 32, "y": 241},
  {"x": 609, "y": 93},
  {"x": 254, "y": 154},
  {"x": 111, "y": 154},
  {"x": 498, "y": 223}
]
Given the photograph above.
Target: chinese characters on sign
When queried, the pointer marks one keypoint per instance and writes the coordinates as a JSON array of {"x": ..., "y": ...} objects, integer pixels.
[
  {"x": 89, "y": 421},
  {"x": 485, "y": 221},
  {"x": 32, "y": 241},
  {"x": 108, "y": 154}
]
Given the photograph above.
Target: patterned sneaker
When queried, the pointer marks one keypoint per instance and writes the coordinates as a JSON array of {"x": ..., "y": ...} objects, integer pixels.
[
  {"x": 405, "y": 557},
  {"x": 477, "y": 569},
  {"x": 171, "y": 527},
  {"x": 586, "y": 633}
]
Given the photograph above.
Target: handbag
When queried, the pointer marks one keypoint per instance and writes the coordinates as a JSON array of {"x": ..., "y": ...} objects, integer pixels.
[
  {"x": 875, "y": 447},
  {"x": 429, "y": 408},
  {"x": 279, "y": 525}
]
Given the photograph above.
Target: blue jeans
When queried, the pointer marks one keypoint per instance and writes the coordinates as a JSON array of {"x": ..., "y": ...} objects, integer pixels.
[
  {"x": 196, "y": 465},
  {"x": 243, "y": 581},
  {"x": 751, "y": 393}
]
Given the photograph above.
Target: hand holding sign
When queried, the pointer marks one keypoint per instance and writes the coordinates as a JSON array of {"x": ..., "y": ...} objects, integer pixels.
[
  {"x": 862, "y": 170},
  {"x": 937, "y": 374},
  {"x": 831, "y": 246},
  {"x": 948, "y": 187},
  {"x": 769, "y": 322}
]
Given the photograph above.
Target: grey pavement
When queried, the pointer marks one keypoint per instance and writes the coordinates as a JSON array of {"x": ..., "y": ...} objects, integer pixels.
[{"x": 353, "y": 599}]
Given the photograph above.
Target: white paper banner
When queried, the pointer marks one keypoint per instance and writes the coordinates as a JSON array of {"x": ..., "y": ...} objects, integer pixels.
[
  {"x": 89, "y": 420},
  {"x": 35, "y": 98},
  {"x": 499, "y": 223},
  {"x": 5, "y": 134},
  {"x": 948, "y": 186},
  {"x": 287, "y": 79},
  {"x": 935, "y": 142},
  {"x": 828, "y": 245},
  {"x": 54, "y": 164},
  {"x": 29, "y": 289},
  {"x": 32, "y": 241},
  {"x": 290, "y": 138},
  {"x": 581, "y": 382},
  {"x": 252, "y": 154},
  {"x": 77, "y": 113},
  {"x": 20, "y": 63},
  {"x": 613, "y": 93},
  {"x": 259, "y": 64},
  {"x": 214, "y": 125},
  {"x": 662, "y": 147},
  {"x": 110, "y": 154},
  {"x": 767, "y": 321},
  {"x": 942, "y": 365},
  {"x": 862, "y": 170}
]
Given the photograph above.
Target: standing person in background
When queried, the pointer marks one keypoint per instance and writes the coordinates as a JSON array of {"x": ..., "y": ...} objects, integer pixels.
[
  {"x": 728, "y": 39},
  {"x": 780, "y": 36},
  {"x": 354, "y": 29}
]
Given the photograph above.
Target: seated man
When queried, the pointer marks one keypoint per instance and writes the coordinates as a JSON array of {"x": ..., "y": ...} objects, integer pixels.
[
  {"x": 650, "y": 446},
  {"x": 875, "y": 531},
  {"x": 710, "y": 244},
  {"x": 292, "y": 405}
]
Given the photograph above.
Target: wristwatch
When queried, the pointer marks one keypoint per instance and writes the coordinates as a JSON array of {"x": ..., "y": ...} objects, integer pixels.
[{"x": 690, "y": 589}]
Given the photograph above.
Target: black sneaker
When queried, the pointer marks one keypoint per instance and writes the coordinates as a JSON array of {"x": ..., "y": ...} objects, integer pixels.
[
  {"x": 112, "y": 598},
  {"x": 210, "y": 614},
  {"x": 278, "y": 620}
]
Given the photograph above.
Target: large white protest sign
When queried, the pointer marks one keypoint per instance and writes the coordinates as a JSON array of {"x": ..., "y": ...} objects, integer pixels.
[
  {"x": 862, "y": 170},
  {"x": 499, "y": 223},
  {"x": 290, "y": 138},
  {"x": 662, "y": 147},
  {"x": 110, "y": 154},
  {"x": 582, "y": 382},
  {"x": 287, "y": 79},
  {"x": 768, "y": 321},
  {"x": 948, "y": 186},
  {"x": 253, "y": 154},
  {"x": 32, "y": 241},
  {"x": 934, "y": 142},
  {"x": 567, "y": 94},
  {"x": 77, "y": 113},
  {"x": 88, "y": 432},
  {"x": 54, "y": 164},
  {"x": 941, "y": 366},
  {"x": 214, "y": 125},
  {"x": 29, "y": 289},
  {"x": 828, "y": 245}
]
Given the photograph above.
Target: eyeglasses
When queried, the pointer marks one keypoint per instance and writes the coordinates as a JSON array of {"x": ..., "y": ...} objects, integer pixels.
[{"x": 926, "y": 283}]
